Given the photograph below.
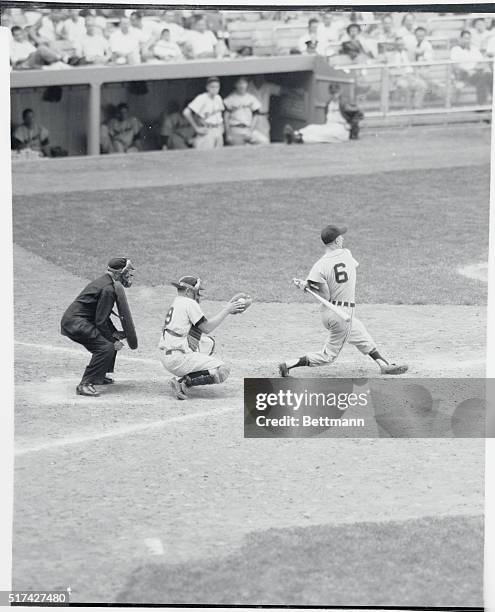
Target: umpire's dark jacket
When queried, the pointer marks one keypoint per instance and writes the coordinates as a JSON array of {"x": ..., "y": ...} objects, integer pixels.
[{"x": 89, "y": 314}]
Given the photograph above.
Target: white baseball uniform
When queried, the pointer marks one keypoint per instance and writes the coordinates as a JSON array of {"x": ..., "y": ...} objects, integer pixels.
[
  {"x": 335, "y": 273},
  {"x": 210, "y": 111},
  {"x": 335, "y": 129},
  {"x": 175, "y": 353},
  {"x": 241, "y": 109}
]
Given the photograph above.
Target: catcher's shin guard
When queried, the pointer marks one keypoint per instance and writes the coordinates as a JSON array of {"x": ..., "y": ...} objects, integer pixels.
[{"x": 195, "y": 379}]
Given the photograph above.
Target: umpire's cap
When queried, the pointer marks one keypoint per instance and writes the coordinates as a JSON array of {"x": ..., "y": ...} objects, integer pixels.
[
  {"x": 188, "y": 282},
  {"x": 119, "y": 263},
  {"x": 330, "y": 232}
]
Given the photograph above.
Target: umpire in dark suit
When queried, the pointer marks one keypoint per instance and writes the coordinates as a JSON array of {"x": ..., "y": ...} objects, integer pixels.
[{"x": 87, "y": 322}]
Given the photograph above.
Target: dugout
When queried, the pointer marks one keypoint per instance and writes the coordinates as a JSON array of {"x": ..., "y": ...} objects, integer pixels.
[{"x": 73, "y": 103}]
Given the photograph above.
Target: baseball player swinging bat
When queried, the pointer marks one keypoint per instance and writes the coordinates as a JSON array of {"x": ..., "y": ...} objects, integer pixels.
[
  {"x": 338, "y": 311},
  {"x": 335, "y": 274}
]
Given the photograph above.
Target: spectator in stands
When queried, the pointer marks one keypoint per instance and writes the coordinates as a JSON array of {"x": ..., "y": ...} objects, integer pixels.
[
  {"x": 48, "y": 33},
  {"x": 164, "y": 49},
  {"x": 143, "y": 31},
  {"x": 355, "y": 46},
  {"x": 469, "y": 68},
  {"x": 124, "y": 45},
  {"x": 215, "y": 21},
  {"x": 241, "y": 109},
  {"x": 480, "y": 34},
  {"x": 205, "y": 115},
  {"x": 199, "y": 41},
  {"x": 385, "y": 35},
  {"x": 176, "y": 132},
  {"x": 311, "y": 42},
  {"x": 406, "y": 32},
  {"x": 74, "y": 28},
  {"x": 48, "y": 29},
  {"x": 423, "y": 50},
  {"x": 110, "y": 28},
  {"x": 342, "y": 122},
  {"x": 330, "y": 30},
  {"x": 168, "y": 20},
  {"x": 262, "y": 90},
  {"x": 423, "y": 53},
  {"x": 100, "y": 21},
  {"x": 30, "y": 136},
  {"x": 405, "y": 80},
  {"x": 122, "y": 134},
  {"x": 94, "y": 47},
  {"x": 24, "y": 55}
]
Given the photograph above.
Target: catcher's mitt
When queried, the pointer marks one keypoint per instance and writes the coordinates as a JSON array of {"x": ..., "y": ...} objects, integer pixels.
[{"x": 245, "y": 297}]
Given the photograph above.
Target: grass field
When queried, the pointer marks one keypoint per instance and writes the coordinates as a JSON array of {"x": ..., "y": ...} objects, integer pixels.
[
  {"x": 137, "y": 497},
  {"x": 256, "y": 235}
]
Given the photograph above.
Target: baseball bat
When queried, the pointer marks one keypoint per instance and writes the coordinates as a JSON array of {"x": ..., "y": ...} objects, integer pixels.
[{"x": 338, "y": 311}]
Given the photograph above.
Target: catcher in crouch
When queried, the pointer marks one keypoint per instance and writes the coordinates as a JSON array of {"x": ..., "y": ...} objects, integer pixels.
[
  {"x": 333, "y": 277},
  {"x": 184, "y": 351}
]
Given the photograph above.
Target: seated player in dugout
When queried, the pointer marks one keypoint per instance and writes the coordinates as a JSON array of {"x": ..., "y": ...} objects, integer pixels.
[
  {"x": 341, "y": 124},
  {"x": 87, "y": 322},
  {"x": 241, "y": 116},
  {"x": 184, "y": 351},
  {"x": 122, "y": 133}
]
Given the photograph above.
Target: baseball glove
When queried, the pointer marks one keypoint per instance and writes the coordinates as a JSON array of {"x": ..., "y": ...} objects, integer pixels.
[{"x": 248, "y": 300}]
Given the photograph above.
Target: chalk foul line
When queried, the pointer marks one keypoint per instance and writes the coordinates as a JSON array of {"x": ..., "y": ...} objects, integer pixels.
[{"x": 120, "y": 431}]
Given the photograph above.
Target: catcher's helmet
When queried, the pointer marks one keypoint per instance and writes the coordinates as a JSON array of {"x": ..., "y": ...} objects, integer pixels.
[{"x": 192, "y": 283}]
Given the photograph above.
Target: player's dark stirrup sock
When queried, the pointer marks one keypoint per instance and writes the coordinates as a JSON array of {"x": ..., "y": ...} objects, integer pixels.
[
  {"x": 374, "y": 354},
  {"x": 201, "y": 377},
  {"x": 302, "y": 361}
]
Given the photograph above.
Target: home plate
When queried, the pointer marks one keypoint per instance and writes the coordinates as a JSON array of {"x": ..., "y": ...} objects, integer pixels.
[{"x": 476, "y": 272}]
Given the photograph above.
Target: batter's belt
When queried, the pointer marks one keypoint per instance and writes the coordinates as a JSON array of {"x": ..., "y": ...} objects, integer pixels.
[{"x": 345, "y": 304}]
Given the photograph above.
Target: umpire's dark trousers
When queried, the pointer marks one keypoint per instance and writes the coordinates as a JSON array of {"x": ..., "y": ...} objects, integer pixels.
[{"x": 103, "y": 359}]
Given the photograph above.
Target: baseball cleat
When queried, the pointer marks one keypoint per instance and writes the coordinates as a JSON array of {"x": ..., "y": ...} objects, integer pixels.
[
  {"x": 283, "y": 369},
  {"x": 179, "y": 388},
  {"x": 87, "y": 389},
  {"x": 392, "y": 368}
]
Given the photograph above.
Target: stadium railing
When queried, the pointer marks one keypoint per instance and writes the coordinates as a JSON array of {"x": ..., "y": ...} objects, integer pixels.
[{"x": 375, "y": 88}]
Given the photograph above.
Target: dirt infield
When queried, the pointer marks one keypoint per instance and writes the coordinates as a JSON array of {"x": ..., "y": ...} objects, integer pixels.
[
  {"x": 118, "y": 472},
  {"x": 135, "y": 496}
]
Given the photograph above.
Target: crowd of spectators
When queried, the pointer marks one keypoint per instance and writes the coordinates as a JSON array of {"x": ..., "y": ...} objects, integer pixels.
[
  {"x": 71, "y": 37},
  {"x": 61, "y": 38},
  {"x": 403, "y": 45}
]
